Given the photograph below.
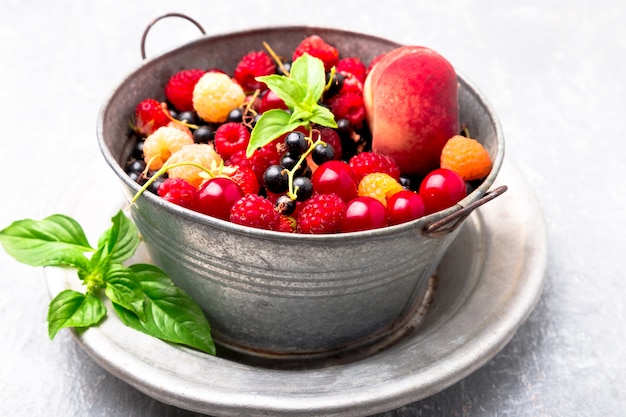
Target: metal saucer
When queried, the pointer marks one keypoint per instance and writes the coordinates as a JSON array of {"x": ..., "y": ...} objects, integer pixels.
[{"x": 488, "y": 283}]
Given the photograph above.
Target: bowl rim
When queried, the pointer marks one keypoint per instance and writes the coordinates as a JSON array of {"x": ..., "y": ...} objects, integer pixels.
[{"x": 417, "y": 225}]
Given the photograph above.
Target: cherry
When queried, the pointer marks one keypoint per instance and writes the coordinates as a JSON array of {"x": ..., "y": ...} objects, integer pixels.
[
  {"x": 216, "y": 196},
  {"x": 405, "y": 206},
  {"x": 335, "y": 177},
  {"x": 442, "y": 188},
  {"x": 270, "y": 101},
  {"x": 363, "y": 213}
]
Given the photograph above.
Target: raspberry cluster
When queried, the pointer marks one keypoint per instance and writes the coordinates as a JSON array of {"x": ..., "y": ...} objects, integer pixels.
[{"x": 191, "y": 151}]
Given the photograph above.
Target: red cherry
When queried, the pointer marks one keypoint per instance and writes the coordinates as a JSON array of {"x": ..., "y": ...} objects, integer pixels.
[
  {"x": 335, "y": 177},
  {"x": 270, "y": 100},
  {"x": 442, "y": 188},
  {"x": 405, "y": 206},
  {"x": 216, "y": 196},
  {"x": 363, "y": 213}
]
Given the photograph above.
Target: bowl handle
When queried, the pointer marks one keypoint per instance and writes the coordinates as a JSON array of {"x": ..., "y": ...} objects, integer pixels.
[
  {"x": 145, "y": 32},
  {"x": 450, "y": 222}
]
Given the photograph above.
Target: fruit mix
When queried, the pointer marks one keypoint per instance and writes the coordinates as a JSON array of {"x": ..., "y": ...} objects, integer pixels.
[{"x": 212, "y": 147}]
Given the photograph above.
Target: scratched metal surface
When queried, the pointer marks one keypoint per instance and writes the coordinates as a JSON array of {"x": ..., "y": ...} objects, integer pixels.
[{"x": 554, "y": 73}]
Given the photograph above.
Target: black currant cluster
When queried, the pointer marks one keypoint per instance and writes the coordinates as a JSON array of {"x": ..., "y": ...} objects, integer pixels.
[{"x": 292, "y": 177}]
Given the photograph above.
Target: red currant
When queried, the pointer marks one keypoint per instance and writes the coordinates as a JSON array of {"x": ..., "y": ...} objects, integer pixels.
[
  {"x": 335, "y": 177},
  {"x": 405, "y": 206},
  {"x": 442, "y": 188},
  {"x": 216, "y": 196},
  {"x": 364, "y": 213}
]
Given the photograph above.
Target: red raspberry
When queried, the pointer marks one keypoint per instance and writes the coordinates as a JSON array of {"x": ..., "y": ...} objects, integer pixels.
[
  {"x": 246, "y": 179},
  {"x": 352, "y": 66},
  {"x": 255, "y": 211},
  {"x": 287, "y": 224},
  {"x": 177, "y": 191},
  {"x": 179, "y": 88},
  {"x": 231, "y": 137},
  {"x": 365, "y": 163},
  {"x": 351, "y": 84},
  {"x": 254, "y": 64},
  {"x": 260, "y": 160},
  {"x": 317, "y": 47},
  {"x": 149, "y": 116},
  {"x": 348, "y": 106},
  {"x": 239, "y": 159},
  {"x": 320, "y": 214}
]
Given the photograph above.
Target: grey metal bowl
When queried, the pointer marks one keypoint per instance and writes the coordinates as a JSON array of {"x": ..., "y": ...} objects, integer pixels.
[{"x": 290, "y": 296}]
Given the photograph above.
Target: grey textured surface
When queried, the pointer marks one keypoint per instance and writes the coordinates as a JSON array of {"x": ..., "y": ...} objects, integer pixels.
[{"x": 554, "y": 72}]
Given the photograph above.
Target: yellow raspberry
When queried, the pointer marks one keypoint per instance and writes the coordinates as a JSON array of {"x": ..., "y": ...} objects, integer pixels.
[
  {"x": 378, "y": 185},
  {"x": 467, "y": 157},
  {"x": 162, "y": 143},
  {"x": 180, "y": 126},
  {"x": 202, "y": 154},
  {"x": 215, "y": 95}
]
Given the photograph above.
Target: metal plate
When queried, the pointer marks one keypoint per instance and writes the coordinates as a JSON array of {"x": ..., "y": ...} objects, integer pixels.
[{"x": 488, "y": 282}]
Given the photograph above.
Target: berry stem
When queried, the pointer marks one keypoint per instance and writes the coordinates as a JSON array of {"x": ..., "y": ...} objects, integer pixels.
[
  {"x": 292, "y": 193},
  {"x": 276, "y": 58},
  {"x": 169, "y": 116},
  {"x": 163, "y": 170}
]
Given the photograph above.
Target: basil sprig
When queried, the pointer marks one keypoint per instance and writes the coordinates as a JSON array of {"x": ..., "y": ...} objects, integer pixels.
[
  {"x": 142, "y": 295},
  {"x": 301, "y": 91}
]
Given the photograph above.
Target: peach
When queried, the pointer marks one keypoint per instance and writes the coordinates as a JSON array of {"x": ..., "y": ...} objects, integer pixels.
[{"x": 412, "y": 108}]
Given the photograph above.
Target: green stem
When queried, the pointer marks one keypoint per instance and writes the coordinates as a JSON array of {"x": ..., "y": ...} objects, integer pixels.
[
  {"x": 163, "y": 170},
  {"x": 290, "y": 174}
]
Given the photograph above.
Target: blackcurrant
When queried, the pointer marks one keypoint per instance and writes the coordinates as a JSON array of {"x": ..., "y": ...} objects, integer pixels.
[
  {"x": 203, "y": 134},
  {"x": 303, "y": 188},
  {"x": 236, "y": 115},
  {"x": 286, "y": 65},
  {"x": 154, "y": 186},
  {"x": 276, "y": 179},
  {"x": 322, "y": 152},
  {"x": 289, "y": 161},
  {"x": 344, "y": 127},
  {"x": 138, "y": 149},
  {"x": 190, "y": 117},
  {"x": 296, "y": 143},
  {"x": 285, "y": 205},
  {"x": 136, "y": 166},
  {"x": 335, "y": 85}
]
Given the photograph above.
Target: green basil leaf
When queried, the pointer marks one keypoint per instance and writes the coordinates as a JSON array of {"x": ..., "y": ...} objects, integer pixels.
[
  {"x": 120, "y": 240},
  {"x": 270, "y": 125},
  {"x": 289, "y": 90},
  {"x": 123, "y": 288},
  {"x": 324, "y": 117},
  {"x": 300, "y": 116},
  {"x": 74, "y": 309},
  {"x": 309, "y": 71},
  {"x": 171, "y": 314},
  {"x": 57, "y": 240}
]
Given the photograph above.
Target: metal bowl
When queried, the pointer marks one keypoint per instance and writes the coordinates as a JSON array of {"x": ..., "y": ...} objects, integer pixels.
[{"x": 290, "y": 296}]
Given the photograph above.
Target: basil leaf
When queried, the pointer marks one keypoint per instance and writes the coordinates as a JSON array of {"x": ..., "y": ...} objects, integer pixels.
[
  {"x": 74, "y": 309},
  {"x": 324, "y": 117},
  {"x": 57, "y": 240},
  {"x": 300, "y": 116},
  {"x": 309, "y": 71},
  {"x": 289, "y": 90},
  {"x": 123, "y": 288},
  {"x": 120, "y": 240},
  {"x": 171, "y": 314},
  {"x": 270, "y": 125}
]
